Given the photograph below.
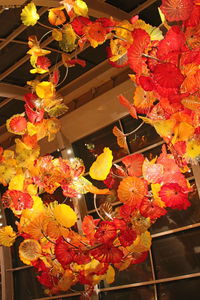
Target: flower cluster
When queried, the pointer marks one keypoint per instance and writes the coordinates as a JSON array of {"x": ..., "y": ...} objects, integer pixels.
[
  {"x": 166, "y": 95},
  {"x": 167, "y": 79},
  {"x": 64, "y": 257}
]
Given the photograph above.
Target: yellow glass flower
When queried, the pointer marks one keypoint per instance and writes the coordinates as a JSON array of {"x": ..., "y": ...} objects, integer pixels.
[
  {"x": 30, "y": 214},
  {"x": 124, "y": 31},
  {"x": 83, "y": 186},
  {"x": 155, "y": 188},
  {"x": 17, "y": 182},
  {"x": 8, "y": 154},
  {"x": 154, "y": 32},
  {"x": 165, "y": 128},
  {"x": 110, "y": 275},
  {"x": 29, "y": 250},
  {"x": 142, "y": 243},
  {"x": 36, "y": 51},
  {"x": 192, "y": 150},
  {"x": 45, "y": 89},
  {"x": 37, "y": 228},
  {"x": 143, "y": 100},
  {"x": 57, "y": 35},
  {"x": 80, "y": 8},
  {"x": 65, "y": 215},
  {"x": 25, "y": 155},
  {"x": 53, "y": 126},
  {"x": 29, "y": 15},
  {"x": 123, "y": 265},
  {"x": 56, "y": 16},
  {"x": 118, "y": 49},
  {"x": 32, "y": 189},
  {"x": 101, "y": 167},
  {"x": 6, "y": 173},
  {"x": 69, "y": 38},
  {"x": 182, "y": 132},
  {"x": 66, "y": 281},
  {"x": 7, "y": 236}
]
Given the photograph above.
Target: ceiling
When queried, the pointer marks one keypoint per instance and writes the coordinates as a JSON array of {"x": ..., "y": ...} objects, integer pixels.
[{"x": 81, "y": 84}]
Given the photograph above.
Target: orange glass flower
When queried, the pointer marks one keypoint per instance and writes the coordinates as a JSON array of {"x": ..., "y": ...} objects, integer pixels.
[{"x": 132, "y": 190}]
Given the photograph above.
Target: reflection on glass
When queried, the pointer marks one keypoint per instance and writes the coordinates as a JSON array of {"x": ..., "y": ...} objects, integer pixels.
[
  {"x": 188, "y": 289},
  {"x": 177, "y": 254},
  {"x": 179, "y": 218},
  {"x": 139, "y": 293},
  {"x": 91, "y": 146},
  {"x": 16, "y": 261},
  {"x": 135, "y": 273},
  {"x": 144, "y": 137},
  {"x": 26, "y": 285},
  {"x": 100, "y": 199},
  {"x": 56, "y": 196},
  {"x": 89, "y": 198},
  {"x": 95, "y": 215},
  {"x": 152, "y": 153}
]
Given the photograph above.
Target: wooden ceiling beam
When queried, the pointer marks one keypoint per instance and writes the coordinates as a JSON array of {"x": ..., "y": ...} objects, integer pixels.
[
  {"x": 90, "y": 80},
  {"x": 68, "y": 87},
  {"x": 59, "y": 64},
  {"x": 102, "y": 9},
  {"x": 23, "y": 60},
  {"x": 12, "y": 91},
  {"x": 97, "y": 8},
  {"x": 6, "y": 101},
  {"x": 93, "y": 115},
  {"x": 142, "y": 7},
  {"x": 12, "y": 2},
  {"x": 25, "y": 43},
  {"x": 19, "y": 30}
]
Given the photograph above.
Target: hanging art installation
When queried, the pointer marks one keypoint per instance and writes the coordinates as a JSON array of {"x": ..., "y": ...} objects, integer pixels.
[{"x": 165, "y": 63}]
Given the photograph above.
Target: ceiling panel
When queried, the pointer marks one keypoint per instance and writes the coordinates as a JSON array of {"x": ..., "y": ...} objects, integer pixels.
[
  {"x": 10, "y": 20},
  {"x": 126, "y": 5},
  {"x": 12, "y": 2},
  {"x": 15, "y": 65},
  {"x": 13, "y": 107},
  {"x": 10, "y": 55}
]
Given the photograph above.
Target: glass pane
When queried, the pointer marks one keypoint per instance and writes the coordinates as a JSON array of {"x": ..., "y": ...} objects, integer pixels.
[
  {"x": 135, "y": 273},
  {"x": 179, "y": 218},
  {"x": 100, "y": 199},
  {"x": 180, "y": 289},
  {"x": 139, "y": 293},
  {"x": 91, "y": 146},
  {"x": 95, "y": 215},
  {"x": 16, "y": 261},
  {"x": 26, "y": 285},
  {"x": 152, "y": 153},
  {"x": 177, "y": 254},
  {"x": 89, "y": 198},
  {"x": 56, "y": 196},
  {"x": 144, "y": 137},
  {"x": 64, "y": 296}
]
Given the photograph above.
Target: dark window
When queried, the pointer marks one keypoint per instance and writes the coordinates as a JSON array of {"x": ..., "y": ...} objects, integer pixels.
[
  {"x": 177, "y": 254},
  {"x": 91, "y": 146},
  {"x": 179, "y": 218},
  {"x": 135, "y": 273},
  {"x": 141, "y": 293},
  {"x": 188, "y": 289},
  {"x": 143, "y": 137}
]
